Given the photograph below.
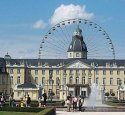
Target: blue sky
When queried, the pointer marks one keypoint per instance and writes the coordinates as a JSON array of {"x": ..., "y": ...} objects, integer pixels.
[{"x": 24, "y": 22}]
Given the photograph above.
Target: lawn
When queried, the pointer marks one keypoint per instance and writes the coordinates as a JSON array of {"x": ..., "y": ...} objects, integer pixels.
[{"x": 15, "y": 113}]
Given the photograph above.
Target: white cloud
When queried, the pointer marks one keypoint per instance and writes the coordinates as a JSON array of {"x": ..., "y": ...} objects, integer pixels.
[
  {"x": 40, "y": 24},
  {"x": 64, "y": 12}
]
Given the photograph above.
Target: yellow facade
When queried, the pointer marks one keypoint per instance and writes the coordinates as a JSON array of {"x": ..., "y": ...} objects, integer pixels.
[{"x": 66, "y": 77}]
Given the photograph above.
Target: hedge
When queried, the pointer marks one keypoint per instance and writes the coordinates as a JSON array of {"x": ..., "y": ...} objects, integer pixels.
[
  {"x": 21, "y": 109},
  {"x": 47, "y": 111}
]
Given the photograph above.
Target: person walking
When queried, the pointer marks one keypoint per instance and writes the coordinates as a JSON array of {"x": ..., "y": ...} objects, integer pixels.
[
  {"x": 80, "y": 103},
  {"x": 44, "y": 98},
  {"x": 68, "y": 102},
  {"x": 74, "y": 101},
  {"x": 28, "y": 101}
]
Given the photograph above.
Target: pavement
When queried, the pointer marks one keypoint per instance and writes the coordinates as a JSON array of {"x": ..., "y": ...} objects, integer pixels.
[{"x": 88, "y": 113}]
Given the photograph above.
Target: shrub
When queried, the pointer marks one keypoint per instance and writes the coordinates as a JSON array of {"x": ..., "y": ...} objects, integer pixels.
[
  {"x": 47, "y": 111},
  {"x": 107, "y": 94},
  {"x": 113, "y": 94}
]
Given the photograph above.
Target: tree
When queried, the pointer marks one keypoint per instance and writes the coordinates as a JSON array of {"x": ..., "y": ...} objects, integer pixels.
[{"x": 107, "y": 94}]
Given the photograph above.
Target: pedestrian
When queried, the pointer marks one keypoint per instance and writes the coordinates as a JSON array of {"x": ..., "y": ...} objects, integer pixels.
[
  {"x": 74, "y": 101},
  {"x": 44, "y": 98},
  {"x": 80, "y": 103},
  {"x": 2, "y": 101},
  {"x": 10, "y": 100},
  {"x": 28, "y": 100},
  {"x": 39, "y": 102},
  {"x": 68, "y": 104}
]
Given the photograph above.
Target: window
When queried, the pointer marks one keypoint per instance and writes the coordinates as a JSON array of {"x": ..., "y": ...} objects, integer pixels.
[
  {"x": 118, "y": 72},
  {"x": 18, "y": 71},
  {"x": 43, "y": 72},
  {"x": 83, "y": 72},
  {"x": 50, "y": 73},
  {"x": 57, "y": 72},
  {"x": 89, "y": 80},
  {"x": 97, "y": 79},
  {"x": 118, "y": 81},
  {"x": 111, "y": 81},
  {"x": 104, "y": 72},
  {"x": 36, "y": 80},
  {"x": 77, "y": 54},
  {"x": 36, "y": 72},
  {"x": 89, "y": 72},
  {"x": 57, "y": 91},
  {"x": 70, "y": 80},
  {"x": 19, "y": 94},
  {"x": 111, "y": 91},
  {"x": 97, "y": 72},
  {"x": 11, "y": 79},
  {"x": 29, "y": 71},
  {"x": 77, "y": 71},
  {"x": 104, "y": 81},
  {"x": 70, "y": 71},
  {"x": 57, "y": 81},
  {"x": 43, "y": 80},
  {"x": 51, "y": 81},
  {"x": 3, "y": 80},
  {"x": 64, "y": 80},
  {"x": 111, "y": 72},
  {"x": 11, "y": 71},
  {"x": 77, "y": 80},
  {"x": 83, "y": 80},
  {"x": 18, "y": 80},
  {"x": 70, "y": 54},
  {"x": 64, "y": 71}
]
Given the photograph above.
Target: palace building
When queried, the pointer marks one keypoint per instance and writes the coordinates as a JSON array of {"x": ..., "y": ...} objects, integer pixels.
[{"x": 73, "y": 75}]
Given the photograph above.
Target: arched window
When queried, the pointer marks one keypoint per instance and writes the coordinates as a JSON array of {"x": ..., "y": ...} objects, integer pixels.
[
  {"x": 11, "y": 79},
  {"x": 43, "y": 80},
  {"x": 77, "y": 80},
  {"x": 70, "y": 80},
  {"x": 83, "y": 80},
  {"x": 64, "y": 80},
  {"x": 57, "y": 81},
  {"x": 18, "y": 80}
]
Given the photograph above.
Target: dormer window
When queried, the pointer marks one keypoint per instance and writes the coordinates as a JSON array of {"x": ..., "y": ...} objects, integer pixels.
[
  {"x": 70, "y": 54},
  {"x": 77, "y": 54}
]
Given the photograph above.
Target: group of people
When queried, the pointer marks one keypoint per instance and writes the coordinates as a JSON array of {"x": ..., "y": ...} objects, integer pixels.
[
  {"x": 44, "y": 100},
  {"x": 74, "y": 103},
  {"x": 25, "y": 102}
]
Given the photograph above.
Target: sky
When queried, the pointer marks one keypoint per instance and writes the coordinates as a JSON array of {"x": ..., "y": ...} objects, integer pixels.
[{"x": 24, "y": 22}]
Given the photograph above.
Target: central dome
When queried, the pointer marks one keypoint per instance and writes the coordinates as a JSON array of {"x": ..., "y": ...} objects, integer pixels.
[{"x": 77, "y": 44}]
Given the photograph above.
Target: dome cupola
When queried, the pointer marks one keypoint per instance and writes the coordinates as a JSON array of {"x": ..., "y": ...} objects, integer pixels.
[
  {"x": 7, "y": 56},
  {"x": 77, "y": 47}
]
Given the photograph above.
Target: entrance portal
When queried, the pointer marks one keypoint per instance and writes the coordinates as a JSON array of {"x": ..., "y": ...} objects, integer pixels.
[{"x": 77, "y": 91}]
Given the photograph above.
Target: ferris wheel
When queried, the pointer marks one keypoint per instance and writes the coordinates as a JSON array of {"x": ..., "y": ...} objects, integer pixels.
[{"x": 56, "y": 41}]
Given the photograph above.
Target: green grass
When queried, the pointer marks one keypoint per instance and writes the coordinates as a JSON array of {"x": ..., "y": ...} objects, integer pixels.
[{"x": 15, "y": 113}]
